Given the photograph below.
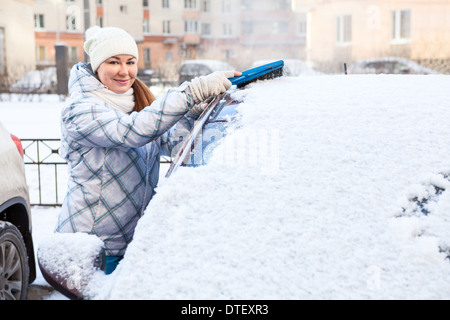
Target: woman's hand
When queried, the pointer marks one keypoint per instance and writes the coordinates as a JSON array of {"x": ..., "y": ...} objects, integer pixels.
[{"x": 211, "y": 85}]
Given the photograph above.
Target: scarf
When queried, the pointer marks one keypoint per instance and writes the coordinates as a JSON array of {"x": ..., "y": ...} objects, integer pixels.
[{"x": 123, "y": 102}]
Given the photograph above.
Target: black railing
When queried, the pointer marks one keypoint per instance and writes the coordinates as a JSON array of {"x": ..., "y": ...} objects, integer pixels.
[
  {"x": 43, "y": 162},
  {"x": 46, "y": 171}
]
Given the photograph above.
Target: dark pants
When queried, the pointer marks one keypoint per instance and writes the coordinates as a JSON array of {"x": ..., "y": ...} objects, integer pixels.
[{"x": 111, "y": 263}]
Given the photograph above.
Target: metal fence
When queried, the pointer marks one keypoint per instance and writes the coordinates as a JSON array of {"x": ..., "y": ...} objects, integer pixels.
[{"x": 46, "y": 171}]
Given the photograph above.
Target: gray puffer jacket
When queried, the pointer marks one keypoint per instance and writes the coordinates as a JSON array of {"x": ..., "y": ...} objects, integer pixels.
[{"x": 113, "y": 158}]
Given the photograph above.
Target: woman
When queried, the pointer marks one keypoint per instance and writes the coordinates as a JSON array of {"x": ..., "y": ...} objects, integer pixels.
[{"x": 113, "y": 132}]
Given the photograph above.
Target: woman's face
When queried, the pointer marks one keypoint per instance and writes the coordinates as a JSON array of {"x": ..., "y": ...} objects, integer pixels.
[{"x": 118, "y": 73}]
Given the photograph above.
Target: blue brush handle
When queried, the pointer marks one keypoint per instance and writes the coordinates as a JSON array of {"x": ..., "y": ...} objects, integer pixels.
[{"x": 255, "y": 73}]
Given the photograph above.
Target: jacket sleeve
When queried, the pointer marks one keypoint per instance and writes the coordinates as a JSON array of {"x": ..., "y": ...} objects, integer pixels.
[{"x": 89, "y": 122}]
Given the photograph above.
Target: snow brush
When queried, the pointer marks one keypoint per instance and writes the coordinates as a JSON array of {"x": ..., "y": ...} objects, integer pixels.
[
  {"x": 268, "y": 71},
  {"x": 265, "y": 72}
]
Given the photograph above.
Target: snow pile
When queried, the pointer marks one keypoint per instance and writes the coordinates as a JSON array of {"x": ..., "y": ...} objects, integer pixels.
[
  {"x": 37, "y": 81},
  {"x": 71, "y": 256},
  {"x": 304, "y": 200}
]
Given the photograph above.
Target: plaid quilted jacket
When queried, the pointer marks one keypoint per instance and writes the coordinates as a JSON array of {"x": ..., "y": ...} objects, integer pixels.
[{"x": 113, "y": 159}]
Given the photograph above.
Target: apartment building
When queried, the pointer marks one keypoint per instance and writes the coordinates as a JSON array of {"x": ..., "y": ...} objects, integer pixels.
[
  {"x": 17, "y": 43},
  {"x": 64, "y": 21},
  {"x": 325, "y": 32},
  {"x": 345, "y": 30},
  {"x": 169, "y": 31}
]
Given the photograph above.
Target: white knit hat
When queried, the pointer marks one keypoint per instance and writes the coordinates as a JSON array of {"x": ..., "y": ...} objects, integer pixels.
[{"x": 104, "y": 43}]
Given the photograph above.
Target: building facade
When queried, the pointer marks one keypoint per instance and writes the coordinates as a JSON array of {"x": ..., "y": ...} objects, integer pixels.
[
  {"x": 17, "y": 42},
  {"x": 326, "y": 33},
  {"x": 170, "y": 31},
  {"x": 346, "y": 30}
]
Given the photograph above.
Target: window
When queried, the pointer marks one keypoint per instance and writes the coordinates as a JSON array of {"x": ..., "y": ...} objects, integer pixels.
[
  {"x": 206, "y": 29},
  {"x": 73, "y": 16},
  {"x": 344, "y": 29},
  {"x": 166, "y": 27},
  {"x": 247, "y": 27},
  {"x": 169, "y": 56},
  {"x": 301, "y": 27},
  {"x": 73, "y": 54},
  {"x": 247, "y": 5},
  {"x": 206, "y": 5},
  {"x": 401, "y": 25},
  {"x": 191, "y": 26},
  {"x": 99, "y": 21},
  {"x": 165, "y": 4},
  {"x": 99, "y": 3},
  {"x": 280, "y": 27},
  {"x": 273, "y": 4},
  {"x": 285, "y": 4},
  {"x": 146, "y": 26},
  {"x": 147, "y": 58},
  {"x": 226, "y": 6},
  {"x": 123, "y": 9},
  {"x": 39, "y": 21},
  {"x": 145, "y": 3},
  {"x": 227, "y": 54},
  {"x": 190, "y": 4},
  {"x": 40, "y": 54},
  {"x": 2, "y": 52},
  {"x": 227, "y": 29},
  {"x": 71, "y": 23}
]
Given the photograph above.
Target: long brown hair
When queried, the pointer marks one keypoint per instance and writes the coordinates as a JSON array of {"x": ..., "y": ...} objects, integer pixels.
[{"x": 143, "y": 96}]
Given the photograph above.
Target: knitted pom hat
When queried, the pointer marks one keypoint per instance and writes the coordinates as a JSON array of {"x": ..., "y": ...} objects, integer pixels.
[{"x": 104, "y": 43}]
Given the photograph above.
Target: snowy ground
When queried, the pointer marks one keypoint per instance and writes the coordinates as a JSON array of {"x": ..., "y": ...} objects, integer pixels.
[{"x": 316, "y": 207}]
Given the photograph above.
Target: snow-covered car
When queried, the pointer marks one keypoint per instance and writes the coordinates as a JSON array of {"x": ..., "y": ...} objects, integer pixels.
[
  {"x": 321, "y": 187},
  {"x": 17, "y": 262},
  {"x": 190, "y": 69},
  {"x": 305, "y": 199},
  {"x": 388, "y": 65}
]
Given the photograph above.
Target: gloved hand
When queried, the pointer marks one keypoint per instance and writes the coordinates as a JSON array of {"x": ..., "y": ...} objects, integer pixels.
[
  {"x": 199, "y": 108},
  {"x": 211, "y": 85}
]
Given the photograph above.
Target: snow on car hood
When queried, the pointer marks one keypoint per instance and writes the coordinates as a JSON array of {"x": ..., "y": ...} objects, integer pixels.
[{"x": 310, "y": 205}]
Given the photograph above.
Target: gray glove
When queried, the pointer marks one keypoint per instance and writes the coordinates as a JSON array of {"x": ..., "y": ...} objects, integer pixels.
[{"x": 211, "y": 85}]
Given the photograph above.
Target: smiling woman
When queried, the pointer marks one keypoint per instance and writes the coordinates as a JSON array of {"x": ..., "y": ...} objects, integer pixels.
[
  {"x": 114, "y": 56},
  {"x": 113, "y": 132},
  {"x": 123, "y": 90},
  {"x": 118, "y": 73}
]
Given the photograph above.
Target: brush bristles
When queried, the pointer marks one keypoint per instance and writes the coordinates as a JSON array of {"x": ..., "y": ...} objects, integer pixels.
[{"x": 270, "y": 75}]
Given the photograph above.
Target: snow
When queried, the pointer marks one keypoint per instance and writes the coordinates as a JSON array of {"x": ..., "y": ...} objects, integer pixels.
[
  {"x": 310, "y": 197},
  {"x": 71, "y": 257},
  {"x": 37, "y": 81}
]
